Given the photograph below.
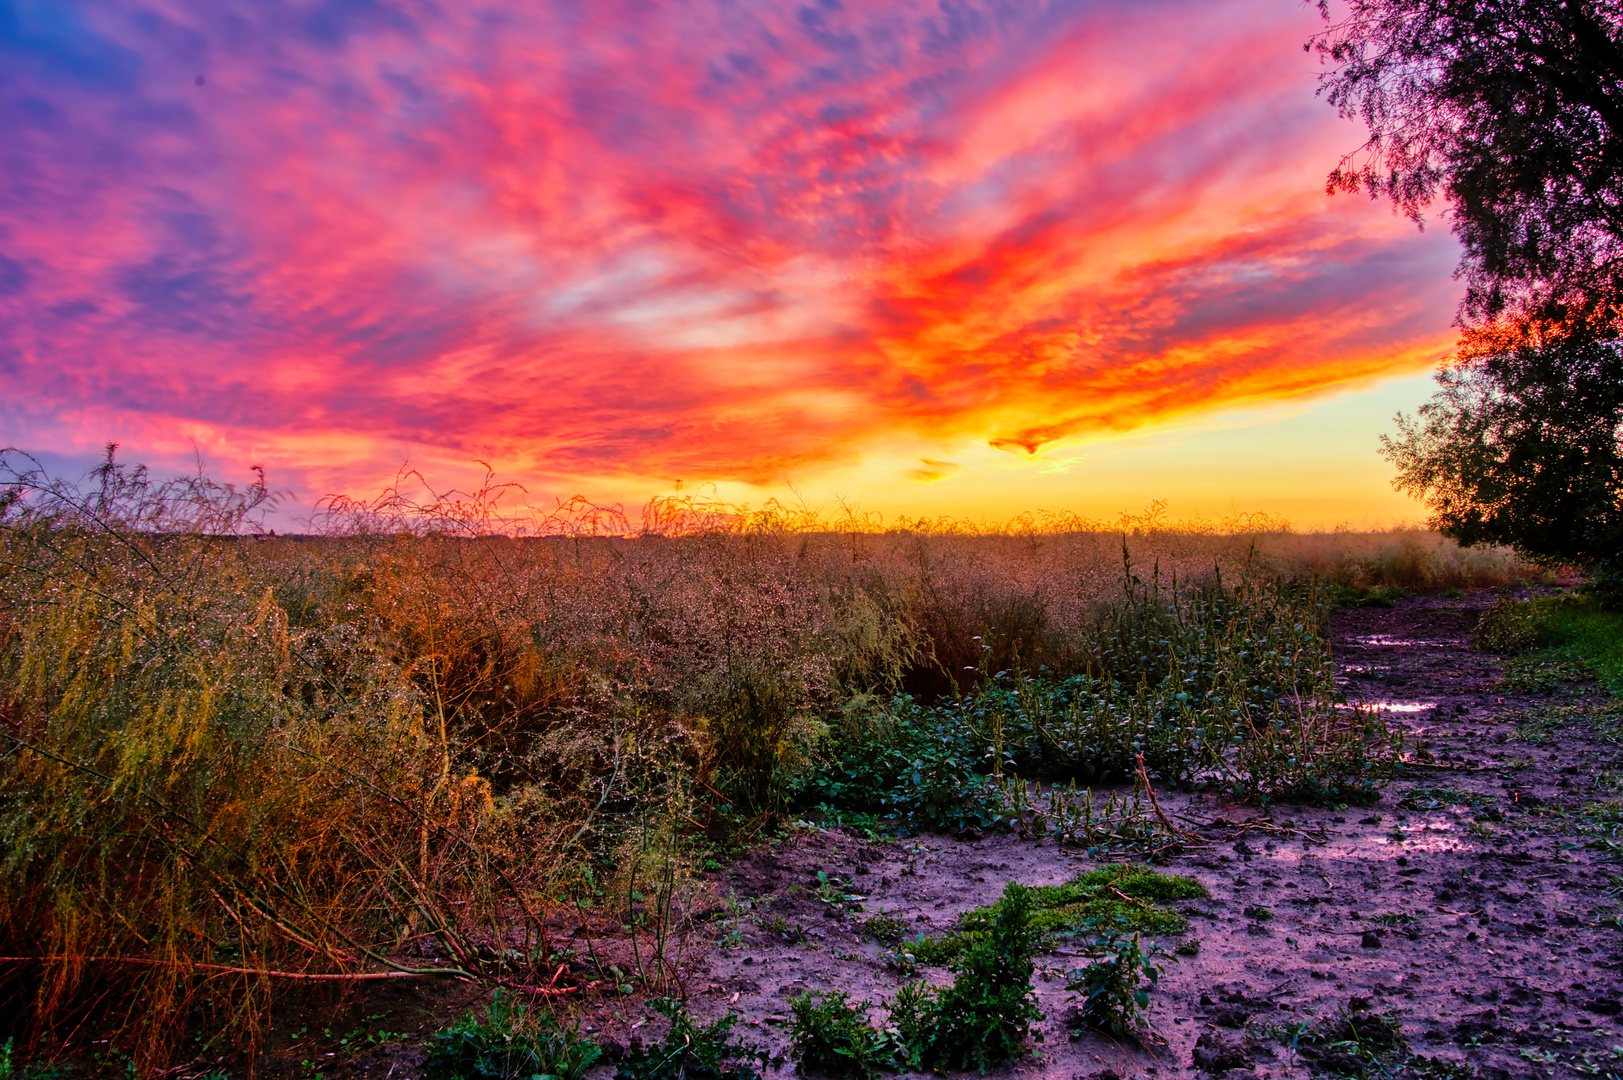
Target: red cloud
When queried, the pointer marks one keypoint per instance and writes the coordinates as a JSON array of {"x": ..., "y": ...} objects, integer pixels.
[{"x": 632, "y": 239}]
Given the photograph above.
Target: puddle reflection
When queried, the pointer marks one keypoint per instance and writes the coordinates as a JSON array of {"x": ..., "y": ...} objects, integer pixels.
[
  {"x": 1392, "y": 706},
  {"x": 1388, "y": 641}
]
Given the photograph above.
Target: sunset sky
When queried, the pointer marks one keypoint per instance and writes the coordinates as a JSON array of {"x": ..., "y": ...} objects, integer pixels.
[{"x": 951, "y": 257}]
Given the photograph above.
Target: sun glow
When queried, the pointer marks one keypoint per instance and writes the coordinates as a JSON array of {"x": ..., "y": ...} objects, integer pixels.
[{"x": 867, "y": 247}]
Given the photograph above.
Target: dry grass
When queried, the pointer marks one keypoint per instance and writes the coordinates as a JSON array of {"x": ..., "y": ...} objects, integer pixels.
[{"x": 396, "y": 748}]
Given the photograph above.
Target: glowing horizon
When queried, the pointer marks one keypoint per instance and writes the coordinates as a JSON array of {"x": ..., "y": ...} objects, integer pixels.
[{"x": 934, "y": 255}]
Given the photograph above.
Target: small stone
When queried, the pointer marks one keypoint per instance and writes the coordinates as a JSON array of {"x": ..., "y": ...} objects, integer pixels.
[{"x": 1371, "y": 940}]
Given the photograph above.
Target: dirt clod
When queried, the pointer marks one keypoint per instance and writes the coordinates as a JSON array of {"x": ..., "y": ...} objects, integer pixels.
[{"x": 1217, "y": 1053}]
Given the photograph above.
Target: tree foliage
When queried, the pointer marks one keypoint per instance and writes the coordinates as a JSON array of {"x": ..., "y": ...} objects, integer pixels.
[
  {"x": 1521, "y": 447},
  {"x": 1513, "y": 110}
]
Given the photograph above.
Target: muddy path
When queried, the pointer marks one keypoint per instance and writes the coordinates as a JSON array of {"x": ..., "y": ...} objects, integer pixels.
[
  {"x": 1475, "y": 903},
  {"x": 1472, "y": 902}
]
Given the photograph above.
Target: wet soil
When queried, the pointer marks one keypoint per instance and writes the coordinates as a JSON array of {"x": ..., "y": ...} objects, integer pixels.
[{"x": 1471, "y": 902}]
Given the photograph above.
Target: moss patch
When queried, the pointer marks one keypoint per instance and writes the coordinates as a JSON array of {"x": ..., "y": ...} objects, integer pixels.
[{"x": 1123, "y": 898}]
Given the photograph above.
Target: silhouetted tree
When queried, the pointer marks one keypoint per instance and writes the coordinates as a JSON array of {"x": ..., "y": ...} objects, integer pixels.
[
  {"x": 1521, "y": 447},
  {"x": 1512, "y": 110}
]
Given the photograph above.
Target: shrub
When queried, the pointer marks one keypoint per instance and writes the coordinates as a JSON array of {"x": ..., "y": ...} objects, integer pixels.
[
  {"x": 1226, "y": 687},
  {"x": 1508, "y": 626},
  {"x": 1114, "y": 990},
  {"x": 887, "y": 929},
  {"x": 757, "y": 741},
  {"x": 202, "y": 790},
  {"x": 690, "y": 1052},
  {"x": 831, "y": 1037},
  {"x": 509, "y": 1044},
  {"x": 984, "y": 1017},
  {"x": 914, "y": 1013}
]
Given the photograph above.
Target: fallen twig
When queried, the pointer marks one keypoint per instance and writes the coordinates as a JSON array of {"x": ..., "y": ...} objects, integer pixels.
[
  {"x": 541, "y": 991},
  {"x": 1143, "y": 774},
  {"x": 1130, "y": 899}
]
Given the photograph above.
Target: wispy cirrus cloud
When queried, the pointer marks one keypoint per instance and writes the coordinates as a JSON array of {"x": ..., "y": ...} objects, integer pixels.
[{"x": 704, "y": 239}]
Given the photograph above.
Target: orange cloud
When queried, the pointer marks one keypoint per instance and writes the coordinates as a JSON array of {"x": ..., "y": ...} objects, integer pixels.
[{"x": 718, "y": 241}]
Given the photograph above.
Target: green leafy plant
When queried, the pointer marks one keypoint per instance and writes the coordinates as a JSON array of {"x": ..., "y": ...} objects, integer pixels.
[
  {"x": 1225, "y": 687},
  {"x": 691, "y": 1052},
  {"x": 885, "y": 928},
  {"x": 838, "y": 894},
  {"x": 1378, "y": 596},
  {"x": 1508, "y": 626},
  {"x": 937, "y": 951},
  {"x": 914, "y": 1013},
  {"x": 758, "y": 740},
  {"x": 784, "y": 930},
  {"x": 1114, "y": 824},
  {"x": 984, "y": 1017},
  {"x": 509, "y": 1042},
  {"x": 1442, "y": 798},
  {"x": 1114, "y": 990},
  {"x": 902, "y": 961},
  {"x": 1555, "y": 640},
  {"x": 830, "y": 1036}
]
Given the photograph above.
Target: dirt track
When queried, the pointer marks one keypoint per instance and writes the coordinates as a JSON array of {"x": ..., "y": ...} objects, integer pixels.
[{"x": 1475, "y": 917}]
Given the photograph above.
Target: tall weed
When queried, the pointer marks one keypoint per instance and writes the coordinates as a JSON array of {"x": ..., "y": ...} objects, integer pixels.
[
  {"x": 202, "y": 801},
  {"x": 1207, "y": 685},
  {"x": 236, "y": 763}
]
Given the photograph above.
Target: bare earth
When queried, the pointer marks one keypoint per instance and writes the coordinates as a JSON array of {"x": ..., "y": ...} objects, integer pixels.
[
  {"x": 1476, "y": 918},
  {"x": 1505, "y": 965}
]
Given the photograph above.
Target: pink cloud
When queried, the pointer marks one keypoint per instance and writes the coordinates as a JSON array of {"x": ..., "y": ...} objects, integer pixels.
[{"x": 710, "y": 240}]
